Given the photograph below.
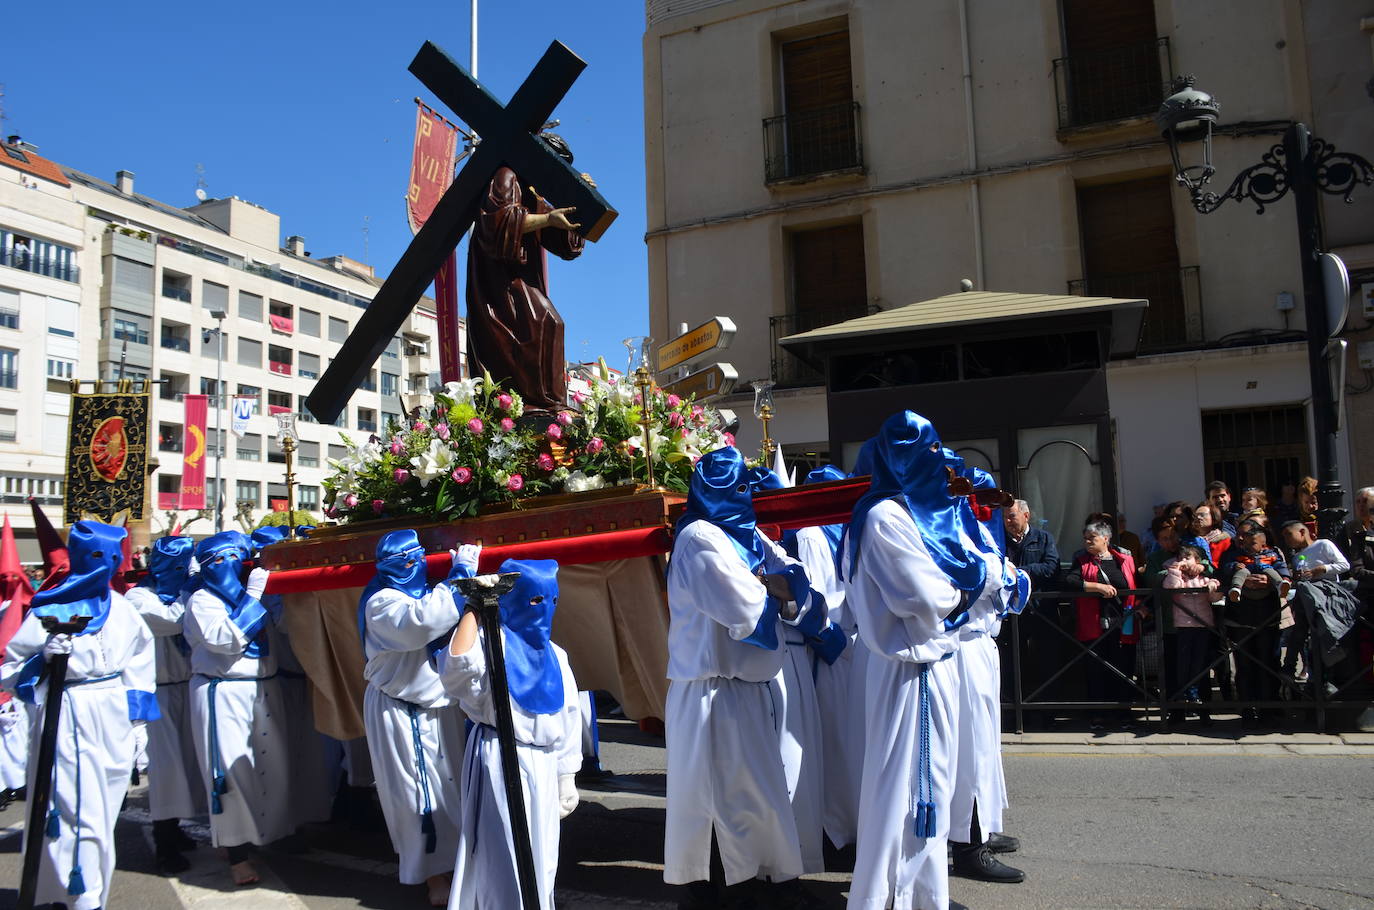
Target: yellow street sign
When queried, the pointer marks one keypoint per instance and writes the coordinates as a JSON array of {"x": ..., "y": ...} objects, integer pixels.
[
  {"x": 707, "y": 337},
  {"x": 717, "y": 379}
]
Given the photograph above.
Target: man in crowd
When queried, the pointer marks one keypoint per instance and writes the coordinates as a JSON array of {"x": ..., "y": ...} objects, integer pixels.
[
  {"x": 1033, "y": 549},
  {"x": 1218, "y": 496}
]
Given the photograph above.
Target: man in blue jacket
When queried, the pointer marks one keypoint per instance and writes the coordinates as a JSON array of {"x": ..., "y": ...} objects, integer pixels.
[{"x": 1033, "y": 549}]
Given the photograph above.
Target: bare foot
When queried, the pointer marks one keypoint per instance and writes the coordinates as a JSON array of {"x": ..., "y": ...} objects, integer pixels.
[
  {"x": 439, "y": 886},
  {"x": 244, "y": 873}
]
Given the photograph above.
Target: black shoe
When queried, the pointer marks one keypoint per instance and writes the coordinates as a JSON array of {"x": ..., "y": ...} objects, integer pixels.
[
  {"x": 792, "y": 895},
  {"x": 700, "y": 896},
  {"x": 170, "y": 862},
  {"x": 1003, "y": 843},
  {"x": 183, "y": 841},
  {"x": 981, "y": 865}
]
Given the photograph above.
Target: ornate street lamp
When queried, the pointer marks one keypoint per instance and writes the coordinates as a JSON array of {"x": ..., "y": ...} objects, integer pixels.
[
  {"x": 1304, "y": 165},
  {"x": 763, "y": 410}
]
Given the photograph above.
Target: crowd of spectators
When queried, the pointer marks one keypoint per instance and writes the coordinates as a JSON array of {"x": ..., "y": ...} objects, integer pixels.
[{"x": 1246, "y": 605}]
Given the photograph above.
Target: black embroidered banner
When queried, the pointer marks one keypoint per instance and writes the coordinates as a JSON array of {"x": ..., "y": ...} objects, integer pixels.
[{"x": 107, "y": 456}]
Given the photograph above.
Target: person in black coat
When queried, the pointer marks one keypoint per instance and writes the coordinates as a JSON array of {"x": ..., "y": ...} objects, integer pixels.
[{"x": 1033, "y": 548}]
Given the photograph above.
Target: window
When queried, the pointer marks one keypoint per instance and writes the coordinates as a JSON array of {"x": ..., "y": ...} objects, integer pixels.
[
  {"x": 9, "y": 309},
  {"x": 338, "y": 330},
  {"x": 42, "y": 257},
  {"x": 342, "y": 420},
  {"x": 307, "y": 497},
  {"x": 173, "y": 385},
  {"x": 279, "y": 359},
  {"x": 211, "y": 493},
  {"x": 63, "y": 317},
  {"x": 131, "y": 277},
  {"x": 169, "y": 483},
  {"x": 278, "y": 402},
  {"x": 280, "y": 316},
  {"x": 169, "y": 437},
  {"x": 1256, "y": 447},
  {"x": 130, "y": 331},
  {"x": 250, "y": 391},
  {"x": 250, "y": 353},
  {"x": 61, "y": 368},
  {"x": 249, "y": 492},
  {"x": 336, "y": 452},
  {"x": 303, "y": 412},
  {"x": 208, "y": 386},
  {"x": 214, "y": 297},
  {"x": 390, "y": 419},
  {"x": 308, "y": 454},
  {"x": 176, "y": 286},
  {"x": 9, "y": 369},
  {"x": 367, "y": 420},
  {"x": 828, "y": 286},
  {"x": 393, "y": 350},
  {"x": 389, "y": 383},
  {"x": 9, "y": 425},
  {"x": 309, "y": 366},
  {"x": 818, "y": 130},
  {"x": 175, "y": 336},
  {"x": 370, "y": 383},
  {"x": 1113, "y": 62},
  {"x": 250, "y": 306},
  {"x": 309, "y": 322},
  {"x": 249, "y": 448}
]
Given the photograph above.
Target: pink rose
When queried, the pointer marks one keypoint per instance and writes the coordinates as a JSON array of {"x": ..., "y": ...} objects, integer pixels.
[
  {"x": 400, "y": 475},
  {"x": 442, "y": 431},
  {"x": 545, "y": 461},
  {"x": 378, "y": 505},
  {"x": 516, "y": 483},
  {"x": 673, "y": 401},
  {"x": 419, "y": 426},
  {"x": 331, "y": 512},
  {"x": 507, "y": 425},
  {"x": 461, "y": 475},
  {"x": 554, "y": 431},
  {"x": 564, "y": 418},
  {"x": 594, "y": 445},
  {"x": 350, "y": 501},
  {"x": 397, "y": 447},
  {"x": 674, "y": 419},
  {"x": 475, "y": 426},
  {"x": 579, "y": 398},
  {"x": 504, "y": 401},
  {"x": 729, "y": 439}
]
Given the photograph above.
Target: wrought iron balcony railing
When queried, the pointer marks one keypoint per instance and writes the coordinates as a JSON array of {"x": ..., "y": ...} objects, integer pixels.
[
  {"x": 1173, "y": 319},
  {"x": 812, "y": 142},
  {"x": 1112, "y": 84},
  {"x": 787, "y": 369},
  {"x": 39, "y": 265}
]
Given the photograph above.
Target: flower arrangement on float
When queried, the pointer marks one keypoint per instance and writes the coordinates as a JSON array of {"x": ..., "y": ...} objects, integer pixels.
[{"x": 471, "y": 450}]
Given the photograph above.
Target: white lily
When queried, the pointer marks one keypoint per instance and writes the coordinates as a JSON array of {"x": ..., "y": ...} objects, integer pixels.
[
  {"x": 464, "y": 390},
  {"x": 436, "y": 461}
]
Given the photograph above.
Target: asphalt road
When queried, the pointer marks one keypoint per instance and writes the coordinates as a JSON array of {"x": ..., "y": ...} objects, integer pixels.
[{"x": 1105, "y": 829}]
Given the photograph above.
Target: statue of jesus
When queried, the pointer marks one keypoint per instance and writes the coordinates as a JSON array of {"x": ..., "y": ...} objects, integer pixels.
[{"x": 514, "y": 332}]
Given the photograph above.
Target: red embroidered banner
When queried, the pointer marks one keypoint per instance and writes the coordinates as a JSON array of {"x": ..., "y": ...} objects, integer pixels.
[
  {"x": 193, "y": 453},
  {"x": 431, "y": 171},
  {"x": 283, "y": 324}
]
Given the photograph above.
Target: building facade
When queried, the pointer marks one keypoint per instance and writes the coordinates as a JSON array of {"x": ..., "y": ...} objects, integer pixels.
[
  {"x": 100, "y": 282},
  {"x": 813, "y": 162}
]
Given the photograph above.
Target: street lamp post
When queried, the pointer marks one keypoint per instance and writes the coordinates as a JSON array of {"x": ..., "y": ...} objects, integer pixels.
[
  {"x": 218, "y": 332},
  {"x": 1304, "y": 165}
]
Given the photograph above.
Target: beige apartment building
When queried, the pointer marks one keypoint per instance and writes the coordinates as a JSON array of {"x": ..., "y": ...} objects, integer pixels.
[
  {"x": 815, "y": 161},
  {"x": 98, "y": 280}
]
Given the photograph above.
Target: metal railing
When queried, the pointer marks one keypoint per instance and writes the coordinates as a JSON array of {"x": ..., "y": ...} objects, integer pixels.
[
  {"x": 176, "y": 343},
  {"x": 9, "y": 379},
  {"x": 787, "y": 369},
  {"x": 28, "y": 262},
  {"x": 1243, "y": 675},
  {"x": 1174, "y": 316},
  {"x": 818, "y": 141},
  {"x": 176, "y": 293},
  {"x": 1112, "y": 84}
]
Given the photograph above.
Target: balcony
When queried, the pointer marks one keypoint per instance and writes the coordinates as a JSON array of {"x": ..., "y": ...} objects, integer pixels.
[
  {"x": 176, "y": 293},
  {"x": 278, "y": 367},
  {"x": 1119, "y": 83},
  {"x": 1174, "y": 317},
  {"x": 9, "y": 379},
  {"x": 282, "y": 325},
  {"x": 20, "y": 259},
  {"x": 808, "y": 143},
  {"x": 790, "y": 370},
  {"x": 176, "y": 343}
]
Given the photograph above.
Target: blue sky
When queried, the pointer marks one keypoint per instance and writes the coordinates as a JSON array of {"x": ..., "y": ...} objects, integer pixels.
[{"x": 306, "y": 109}]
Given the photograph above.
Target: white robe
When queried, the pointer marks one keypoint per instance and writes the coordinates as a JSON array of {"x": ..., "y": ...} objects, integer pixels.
[
  {"x": 725, "y": 771},
  {"x": 978, "y": 777},
  {"x": 176, "y": 787},
  {"x": 14, "y": 744},
  {"x": 251, "y": 723},
  {"x": 840, "y": 696},
  {"x": 405, "y": 701},
  {"x": 899, "y": 598},
  {"x": 94, "y": 745},
  {"x": 547, "y": 746}
]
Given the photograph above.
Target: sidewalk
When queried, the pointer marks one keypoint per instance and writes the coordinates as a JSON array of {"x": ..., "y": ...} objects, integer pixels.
[{"x": 1145, "y": 742}]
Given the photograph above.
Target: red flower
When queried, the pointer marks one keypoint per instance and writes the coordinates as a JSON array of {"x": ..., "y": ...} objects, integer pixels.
[
  {"x": 516, "y": 483},
  {"x": 461, "y": 475},
  {"x": 554, "y": 431},
  {"x": 545, "y": 461},
  {"x": 475, "y": 426}
]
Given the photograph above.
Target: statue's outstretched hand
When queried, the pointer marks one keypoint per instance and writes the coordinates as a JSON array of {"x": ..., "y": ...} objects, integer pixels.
[
  {"x": 559, "y": 218},
  {"x": 588, "y": 177}
]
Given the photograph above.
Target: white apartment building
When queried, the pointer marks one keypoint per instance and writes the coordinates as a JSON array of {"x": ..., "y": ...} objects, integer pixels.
[
  {"x": 809, "y": 163},
  {"x": 99, "y": 281}
]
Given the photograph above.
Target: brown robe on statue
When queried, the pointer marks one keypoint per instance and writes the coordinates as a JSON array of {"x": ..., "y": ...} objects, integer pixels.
[{"x": 514, "y": 333}]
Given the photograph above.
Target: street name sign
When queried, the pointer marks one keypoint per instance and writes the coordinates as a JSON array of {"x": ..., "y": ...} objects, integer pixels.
[
  {"x": 709, "y": 336},
  {"x": 717, "y": 379}
]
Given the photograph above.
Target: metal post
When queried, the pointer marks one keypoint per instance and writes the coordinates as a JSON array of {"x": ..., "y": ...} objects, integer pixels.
[
  {"x": 1302, "y": 177},
  {"x": 219, "y": 425},
  {"x": 1016, "y": 668},
  {"x": 485, "y": 602},
  {"x": 41, "y": 795}
]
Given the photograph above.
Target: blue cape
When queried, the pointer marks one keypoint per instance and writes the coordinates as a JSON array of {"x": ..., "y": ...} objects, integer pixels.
[
  {"x": 96, "y": 553},
  {"x": 720, "y": 492},
  {"x": 221, "y": 557},
  {"x": 169, "y": 567},
  {"x": 400, "y": 565},
  {"x": 532, "y": 672},
  {"x": 909, "y": 462},
  {"x": 268, "y": 535}
]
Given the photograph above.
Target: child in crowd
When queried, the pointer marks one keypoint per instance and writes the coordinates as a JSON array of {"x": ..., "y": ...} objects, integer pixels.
[
  {"x": 1255, "y": 556},
  {"x": 1253, "y": 499},
  {"x": 1194, "y": 621},
  {"x": 1312, "y": 559}
]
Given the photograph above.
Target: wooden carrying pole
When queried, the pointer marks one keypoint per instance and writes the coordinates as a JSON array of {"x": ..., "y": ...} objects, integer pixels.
[{"x": 485, "y": 601}]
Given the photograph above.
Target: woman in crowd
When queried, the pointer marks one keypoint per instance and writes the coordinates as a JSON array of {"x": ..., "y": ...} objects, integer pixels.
[
  {"x": 1101, "y": 571},
  {"x": 1207, "y": 523},
  {"x": 1307, "y": 503}
]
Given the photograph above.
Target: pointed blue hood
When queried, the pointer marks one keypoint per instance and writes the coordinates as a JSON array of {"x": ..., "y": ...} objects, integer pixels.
[
  {"x": 720, "y": 492},
  {"x": 532, "y": 672},
  {"x": 169, "y": 567},
  {"x": 96, "y": 553},
  {"x": 221, "y": 557},
  {"x": 400, "y": 562}
]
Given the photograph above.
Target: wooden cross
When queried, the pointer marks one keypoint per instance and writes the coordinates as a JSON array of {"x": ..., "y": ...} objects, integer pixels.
[{"x": 509, "y": 138}]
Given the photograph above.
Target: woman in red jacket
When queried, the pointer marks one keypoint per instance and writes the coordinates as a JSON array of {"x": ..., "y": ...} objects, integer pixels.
[{"x": 1101, "y": 571}]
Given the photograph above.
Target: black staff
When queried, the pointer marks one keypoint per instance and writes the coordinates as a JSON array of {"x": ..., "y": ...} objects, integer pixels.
[
  {"x": 485, "y": 602},
  {"x": 47, "y": 755}
]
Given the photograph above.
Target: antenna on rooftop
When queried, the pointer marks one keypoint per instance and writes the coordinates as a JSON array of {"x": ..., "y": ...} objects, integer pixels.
[
  {"x": 201, "y": 194},
  {"x": 367, "y": 228}
]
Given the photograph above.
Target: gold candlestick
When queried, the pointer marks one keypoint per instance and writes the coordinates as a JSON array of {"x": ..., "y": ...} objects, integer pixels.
[
  {"x": 288, "y": 447},
  {"x": 643, "y": 380},
  {"x": 768, "y": 447}
]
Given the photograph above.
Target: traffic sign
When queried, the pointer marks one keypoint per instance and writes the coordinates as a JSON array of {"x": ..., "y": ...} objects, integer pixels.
[
  {"x": 717, "y": 379},
  {"x": 1336, "y": 289},
  {"x": 709, "y": 336}
]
